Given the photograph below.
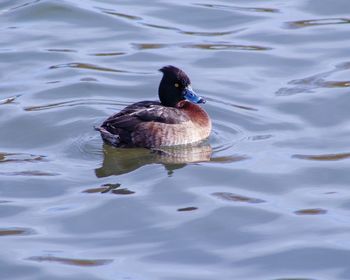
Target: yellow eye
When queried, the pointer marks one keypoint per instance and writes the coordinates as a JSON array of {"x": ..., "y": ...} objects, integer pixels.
[{"x": 176, "y": 85}]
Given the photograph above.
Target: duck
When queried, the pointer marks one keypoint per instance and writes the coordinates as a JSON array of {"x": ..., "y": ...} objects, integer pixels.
[{"x": 176, "y": 119}]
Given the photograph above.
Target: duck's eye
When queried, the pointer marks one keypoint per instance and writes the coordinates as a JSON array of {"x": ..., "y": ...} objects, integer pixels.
[{"x": 176, "y": 85}]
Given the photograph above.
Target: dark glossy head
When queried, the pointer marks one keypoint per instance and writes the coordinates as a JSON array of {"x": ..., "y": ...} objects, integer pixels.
[{"x": 176, "y": 86}]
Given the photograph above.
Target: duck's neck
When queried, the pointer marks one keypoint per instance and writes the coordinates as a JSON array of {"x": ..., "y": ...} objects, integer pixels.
[{"x": 196, "y": 113}]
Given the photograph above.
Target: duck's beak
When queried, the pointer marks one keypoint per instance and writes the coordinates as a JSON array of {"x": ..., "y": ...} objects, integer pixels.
[{"x": 190, "y": 95}]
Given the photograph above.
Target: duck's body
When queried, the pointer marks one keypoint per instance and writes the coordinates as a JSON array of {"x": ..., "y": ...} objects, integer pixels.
[{"x": 172, "y": 121}]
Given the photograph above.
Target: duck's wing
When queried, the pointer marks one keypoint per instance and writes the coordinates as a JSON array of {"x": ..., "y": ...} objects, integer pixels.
[
  {"x": 133, "y": 108},
  {"x": 145, "y": 111},
  {"x": 117, "y": 129},
  {"x": 161, "y": 114}
]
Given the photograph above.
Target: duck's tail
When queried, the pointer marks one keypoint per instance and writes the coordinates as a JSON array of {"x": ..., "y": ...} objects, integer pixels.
[{"x": 108, "y": 137}]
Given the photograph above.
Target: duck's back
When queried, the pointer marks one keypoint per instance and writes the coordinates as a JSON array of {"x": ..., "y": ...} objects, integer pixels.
[{"x": 146, "y": 124}]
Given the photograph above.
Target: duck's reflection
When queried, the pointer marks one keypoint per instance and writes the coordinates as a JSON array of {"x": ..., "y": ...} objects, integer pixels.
[{"x": 121, "y": 161}]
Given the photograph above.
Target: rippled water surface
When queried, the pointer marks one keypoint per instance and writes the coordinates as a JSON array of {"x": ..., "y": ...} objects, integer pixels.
[{"x": 267, "y": 197}]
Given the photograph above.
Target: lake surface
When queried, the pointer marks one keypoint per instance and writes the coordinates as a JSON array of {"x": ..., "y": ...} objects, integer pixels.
[{"x": 265, "y": 198}]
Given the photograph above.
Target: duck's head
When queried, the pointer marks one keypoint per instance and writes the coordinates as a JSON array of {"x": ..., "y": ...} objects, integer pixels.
[{"x": 176, "y": 86}]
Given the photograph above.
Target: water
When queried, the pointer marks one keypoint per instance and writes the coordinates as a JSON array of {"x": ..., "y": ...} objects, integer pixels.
[{"x": 265, "y": 198}]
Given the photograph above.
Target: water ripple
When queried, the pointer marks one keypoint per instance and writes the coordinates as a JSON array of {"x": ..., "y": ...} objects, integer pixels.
[
  {"x": 86, "y": 66},
  {"x": 186, "y": 209},
  {"x": 71, "y": 261},
  {"x": 143, "y": 22},
  {"x": 311, "y": 211},
  {"x": 236, "y": 197},
  {"x": 122, "y": 15},
  {"x": 35, "y": 173},
  {"x": 108, "y": 54},
  {"x": 16, "y": 231},
  {"x": 62, "y": 50},
  {"x": 324, "y": 157},
  {"x": 239, "y": 8},
  {"x": 227, "y": 46},
  {"x": 317, "y": 22},
  {"x": 20, "y": 157},
  {"x": 26, "y": 4},
  {"x": 192, "y": 32},
  {"x": 203, "y": 46},
  {"x": 309, "y": 84},
  {"x": 73, "y": 103},
  {"x": 9, "y": 100}
]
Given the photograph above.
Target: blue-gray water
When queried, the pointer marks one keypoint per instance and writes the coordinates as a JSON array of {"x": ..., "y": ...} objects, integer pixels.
[{"x": 266, "y": 198}]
